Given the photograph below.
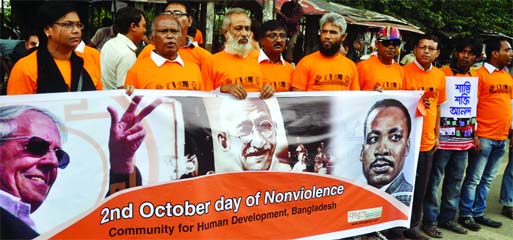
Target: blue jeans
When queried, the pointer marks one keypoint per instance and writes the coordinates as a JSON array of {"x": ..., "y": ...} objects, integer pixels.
[
  {"x": 452, "y": 163},
  {"x": 506, "y": 198},
  {"x": 481, "y": 171}
]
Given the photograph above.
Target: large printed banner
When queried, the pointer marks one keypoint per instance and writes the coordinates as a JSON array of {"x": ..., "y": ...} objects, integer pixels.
[
  {"x": 458, "y": 114},
  {"x": 297, "y": 165}
]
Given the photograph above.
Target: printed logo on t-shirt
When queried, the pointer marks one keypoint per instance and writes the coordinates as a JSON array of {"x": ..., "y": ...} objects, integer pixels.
[
  {"x": 429, "y": 92},
  {"x": 389, "y": 86},
  {"x": 247, "y": 81},
  {"x": 332, "y": 79},
  {"x": 281, "y": 86},
  {"x": 178, "y": 85},
  {"x": 500, "y": 89}
]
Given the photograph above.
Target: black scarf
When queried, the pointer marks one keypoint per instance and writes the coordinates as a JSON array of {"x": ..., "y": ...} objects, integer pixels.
[
  {"x": 455, "y": 70},
  {"x": 50, "y": 80}
]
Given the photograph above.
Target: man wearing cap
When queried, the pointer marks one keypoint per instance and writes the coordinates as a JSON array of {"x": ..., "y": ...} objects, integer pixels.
[
  {"x": 381, "y": 72},
  {"x": 327, "y": 69}
]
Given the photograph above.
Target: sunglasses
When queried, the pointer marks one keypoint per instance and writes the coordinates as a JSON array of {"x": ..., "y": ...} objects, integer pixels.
[
  {"x": 387, "y": 43},
  {"x": 40, "y": 147}
]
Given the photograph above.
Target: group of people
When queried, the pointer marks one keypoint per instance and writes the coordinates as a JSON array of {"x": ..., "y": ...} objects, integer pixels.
[{"x": 63, "y": 63}]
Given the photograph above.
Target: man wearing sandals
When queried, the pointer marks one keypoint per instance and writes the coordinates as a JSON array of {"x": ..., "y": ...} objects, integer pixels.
[{"x": 449, "y": 159}]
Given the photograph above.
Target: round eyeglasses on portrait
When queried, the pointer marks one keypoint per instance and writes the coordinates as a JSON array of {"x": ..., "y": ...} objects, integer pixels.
[{"x": 40, "y": 147}]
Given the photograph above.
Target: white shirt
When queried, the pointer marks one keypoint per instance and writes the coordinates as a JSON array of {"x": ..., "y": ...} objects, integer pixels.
[
  {"x": 17, "y": 208},
  {"x": 421, "y": 67},
  {"x": 116, "y": 58},
  {"x": 80, "y": 48},
  {"x": 263, "y": 57},
  {"x": 491, "y": 68},
  {"x": 159, "y": 60}
]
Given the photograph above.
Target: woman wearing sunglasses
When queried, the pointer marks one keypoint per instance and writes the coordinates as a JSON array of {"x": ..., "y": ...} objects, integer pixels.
[{"x": 55, "y": 67}]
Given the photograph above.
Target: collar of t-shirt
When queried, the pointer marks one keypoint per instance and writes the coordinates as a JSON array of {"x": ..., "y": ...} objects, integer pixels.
[
  {"x": 127, "y": 41},
  {"x": 80, "y": 48},
  {"x": 421, "y": 67},
  {"x": 159, "y": 60},
  {"x": 263, "y": 57},
  {"x": 491, "y": 68},
  {"x": 17, "y": 208}
]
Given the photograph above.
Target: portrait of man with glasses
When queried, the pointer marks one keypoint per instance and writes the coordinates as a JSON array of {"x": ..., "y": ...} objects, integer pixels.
[
  {"x": 246, "y": 137},
  {"x": 31, "y": 155}
]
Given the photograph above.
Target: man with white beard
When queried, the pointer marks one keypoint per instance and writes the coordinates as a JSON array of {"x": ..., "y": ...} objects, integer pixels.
[{"x": 235, "y": 70}]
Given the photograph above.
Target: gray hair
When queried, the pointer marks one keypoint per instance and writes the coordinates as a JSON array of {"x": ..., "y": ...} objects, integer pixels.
[
  {"x": 228, "y": 17},
  {"x": 336, "y": 19},
  {"x": 8, "y": 114}
]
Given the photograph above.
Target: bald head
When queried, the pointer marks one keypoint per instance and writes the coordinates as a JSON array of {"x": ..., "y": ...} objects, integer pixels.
[{"x": 166, "y": 35}]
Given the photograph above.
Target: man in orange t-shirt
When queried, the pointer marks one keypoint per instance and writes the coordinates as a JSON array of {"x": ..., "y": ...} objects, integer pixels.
[
  {"x": 188, "y": 51},
  {"x": 277, "y": 72},
  {"x": 234, "y": 70},
  {"x": 450, "y": 158},
  {"x": 381, "y": 72},
  {"x": 494, "y": 94},
  {"x": 165, "y": 69},
  {"x": 422, "y": 75},
  {"x": 327, "y": 69}
]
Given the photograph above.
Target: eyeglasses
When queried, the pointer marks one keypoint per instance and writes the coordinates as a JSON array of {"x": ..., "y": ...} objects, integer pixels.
[
  {"x": 429, "y": 48},
  {"x": 246, "y": 128},
  {"x": 176, "y": 13},
  {"x": 40, "y": 147},
  {"x": 274, "y": 36},
  {"x": 70, "y": 25},
  {"x": 393, "y": 42}
]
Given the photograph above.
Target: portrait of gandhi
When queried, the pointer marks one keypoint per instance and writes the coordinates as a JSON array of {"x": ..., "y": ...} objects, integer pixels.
[{"x": 248, "y": 133}]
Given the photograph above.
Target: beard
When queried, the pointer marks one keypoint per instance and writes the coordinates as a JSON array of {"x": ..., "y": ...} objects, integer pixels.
[
  {"x": 232, "y": 46},
  {"x": 331, "y": 50}
]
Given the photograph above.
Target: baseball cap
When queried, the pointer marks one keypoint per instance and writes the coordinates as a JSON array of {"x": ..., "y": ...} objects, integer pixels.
[{"x": 389, "y": 33}]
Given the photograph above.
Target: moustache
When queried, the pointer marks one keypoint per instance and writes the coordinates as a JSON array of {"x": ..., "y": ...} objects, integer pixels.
[{"x": 380, "y": 161}]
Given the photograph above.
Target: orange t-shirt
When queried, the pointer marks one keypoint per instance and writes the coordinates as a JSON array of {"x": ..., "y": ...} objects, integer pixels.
[
  {"x": 146, "y": 74},
  {"x": 317, "y": 72},
  {"x": 433, "y": 84},
  {"x": 494, "y": 94},
  {"x": 278, "y": 75},
  {"x": 198, "y": 37},
  {"x": 91, "y": 58},
  {"x": 232, "y": 69},
  {"x": 448, "y": 72},
  {"x": 23, "y": 77},
  {"x": 372, "y": 73},
  {"x": 196, "y": 55}
]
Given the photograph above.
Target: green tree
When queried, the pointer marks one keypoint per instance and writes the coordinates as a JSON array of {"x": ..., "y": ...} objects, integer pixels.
[{"x": 449, "y": 16}]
